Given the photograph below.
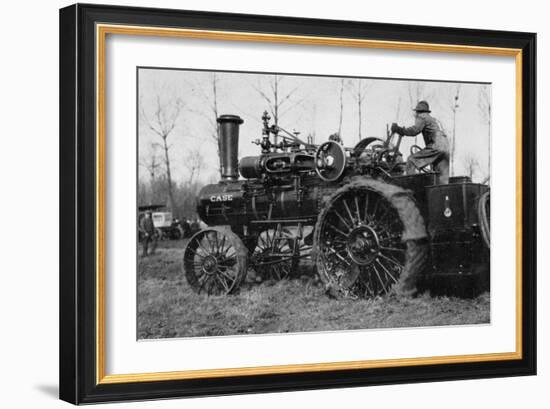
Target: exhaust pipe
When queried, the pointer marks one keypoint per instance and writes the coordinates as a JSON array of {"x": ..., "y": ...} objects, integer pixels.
[{"x": 228, "y": 134}]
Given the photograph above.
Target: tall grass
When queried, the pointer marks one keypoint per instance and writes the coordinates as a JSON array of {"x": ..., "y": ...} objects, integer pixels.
[{"x": 167, "y": 307}]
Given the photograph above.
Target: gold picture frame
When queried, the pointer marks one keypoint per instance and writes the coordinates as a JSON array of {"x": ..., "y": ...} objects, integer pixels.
[{"x": 98, "y": 21}]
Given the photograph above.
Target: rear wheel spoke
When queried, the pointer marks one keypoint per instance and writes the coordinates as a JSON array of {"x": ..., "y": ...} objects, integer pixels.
[
  {"x": 348, "y": 210},
  {"x": 349, "y": 227},
  {"x": 337, "y": 230},
  {"x": 358, "y": 213},
  {"x": 366, "y": 218},
  {"x": 391, "y": 260},
  {"x": 386, "y": 271},
  {"x": 339, "y": 256},
  {"x": 392, "y": 249},
  {"x": 380, "y": 279},
  {"x": 375, "y": 209},
  {"x": 385, "y": 213}
]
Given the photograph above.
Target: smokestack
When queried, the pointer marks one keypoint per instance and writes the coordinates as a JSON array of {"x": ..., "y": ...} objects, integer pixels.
[{"x": 229, "y": 146}]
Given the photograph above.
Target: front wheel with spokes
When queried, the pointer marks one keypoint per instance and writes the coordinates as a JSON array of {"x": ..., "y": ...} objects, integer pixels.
[
  {"x": 215, "y": 261},
  {"x": 364, "y": 239}
]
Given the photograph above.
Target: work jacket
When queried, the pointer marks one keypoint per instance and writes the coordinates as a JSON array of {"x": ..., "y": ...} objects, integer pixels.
[
  {"x": 147, "y": 225},
  {"x": 427, "y": 125}
]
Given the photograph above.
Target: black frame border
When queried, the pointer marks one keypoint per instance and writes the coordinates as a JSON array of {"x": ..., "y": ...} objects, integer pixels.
[{"x": 78, "y": 197}]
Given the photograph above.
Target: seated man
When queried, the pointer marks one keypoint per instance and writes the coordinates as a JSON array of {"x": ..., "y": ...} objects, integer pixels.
[{"x": 436, "y": 152}]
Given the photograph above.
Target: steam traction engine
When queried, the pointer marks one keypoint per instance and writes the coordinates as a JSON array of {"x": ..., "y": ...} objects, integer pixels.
[{"x": 365, "y": 224}]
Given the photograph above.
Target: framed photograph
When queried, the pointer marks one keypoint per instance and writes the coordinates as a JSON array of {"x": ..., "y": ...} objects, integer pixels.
[{"x": 257, "y": 203}]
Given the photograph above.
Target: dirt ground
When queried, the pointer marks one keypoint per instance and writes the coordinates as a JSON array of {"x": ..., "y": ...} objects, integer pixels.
[{"x": 167, "y": 306}]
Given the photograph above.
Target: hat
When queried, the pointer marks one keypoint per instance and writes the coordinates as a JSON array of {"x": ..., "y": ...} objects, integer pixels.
[{"x": 422, "y": 106}]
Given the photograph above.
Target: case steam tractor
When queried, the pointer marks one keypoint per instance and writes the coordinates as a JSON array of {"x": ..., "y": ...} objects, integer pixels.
[{"x": 367, "y": 228}]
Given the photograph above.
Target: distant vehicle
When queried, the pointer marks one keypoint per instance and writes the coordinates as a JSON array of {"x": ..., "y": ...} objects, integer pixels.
[
  {"x": 167, "y": 227},
  {"x": 190, "y": 227}
]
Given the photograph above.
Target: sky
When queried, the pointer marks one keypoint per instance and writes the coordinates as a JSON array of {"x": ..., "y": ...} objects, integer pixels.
[{"x": 312, "y": 107}]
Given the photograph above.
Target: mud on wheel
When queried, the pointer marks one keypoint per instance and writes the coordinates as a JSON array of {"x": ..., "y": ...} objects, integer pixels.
[
  {"x": 369, "y": 237},
  {"x": 215, "y": 261}
]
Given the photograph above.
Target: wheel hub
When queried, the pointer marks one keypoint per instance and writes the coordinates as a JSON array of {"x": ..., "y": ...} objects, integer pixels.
[
  {"x": 210, "y": 264},
  {"x": 363, "y": 245}
]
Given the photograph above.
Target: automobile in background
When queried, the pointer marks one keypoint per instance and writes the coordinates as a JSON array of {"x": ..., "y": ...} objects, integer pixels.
[{"x": 167, "y": 227}]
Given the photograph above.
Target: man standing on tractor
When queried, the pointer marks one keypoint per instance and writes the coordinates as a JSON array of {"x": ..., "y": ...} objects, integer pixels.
[
  {"x": 436, "y": 152},
  {"x": 336, "y": 138},
  {"x": 149, "y": 234}
]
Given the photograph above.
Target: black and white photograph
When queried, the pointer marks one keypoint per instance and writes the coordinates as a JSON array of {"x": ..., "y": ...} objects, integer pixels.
[
  {"x": 252, "y": 202},
  {"x": 280, "y": 203}
]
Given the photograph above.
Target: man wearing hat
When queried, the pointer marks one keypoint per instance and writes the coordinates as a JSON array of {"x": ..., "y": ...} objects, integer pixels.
[
  {"x": 336, "y": 138},
  {"x": 436, "y": 152},
  {"x": 149, "y": 234}
]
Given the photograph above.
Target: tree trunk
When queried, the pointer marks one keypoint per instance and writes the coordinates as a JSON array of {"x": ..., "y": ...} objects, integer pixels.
[
  {"x": 168, "y": 175},
  {"x": 276, "y": 101},
  {"x": 360, "y": 118},
  {"x": 489, "y": 144},
  {"x": 217, "y": 128},
  {"x": 341, "y": 108}
]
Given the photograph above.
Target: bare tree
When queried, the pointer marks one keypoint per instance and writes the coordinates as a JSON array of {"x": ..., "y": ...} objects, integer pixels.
[
  {"x": 398, "y": 109},
  {"x": 454, "y": 108},
  {"x": 194, "y": 163},
  {"x": 152, "y": 163},
  {"x": 162, "y": 121},
  {"x": 341, "y": 95},
  {"x": 313, "y": 114},
  {"x": 358, "y": 89},
  {"x": 416, "y": 91},
  {"x": 484, "y": 105},
  {"x": 471, "y": 164},
  {"x": 279, "y": 99},
  {"x": 210, "y": 95}
]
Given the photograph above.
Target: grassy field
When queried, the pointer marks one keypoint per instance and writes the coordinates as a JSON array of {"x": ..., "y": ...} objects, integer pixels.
[{"x": 167, "y": 307}]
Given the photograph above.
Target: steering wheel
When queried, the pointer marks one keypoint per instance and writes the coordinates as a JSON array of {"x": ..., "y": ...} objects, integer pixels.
[
  {"x": 415, "y": 149},
  {"x": 370, "y": 142}
]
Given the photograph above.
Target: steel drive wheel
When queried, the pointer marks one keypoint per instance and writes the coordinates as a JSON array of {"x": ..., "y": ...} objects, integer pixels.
[
  {"x": 369, "y": 238},
  {"x": 275, "y": 255},
  {"x": 215, "y": 261}
]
